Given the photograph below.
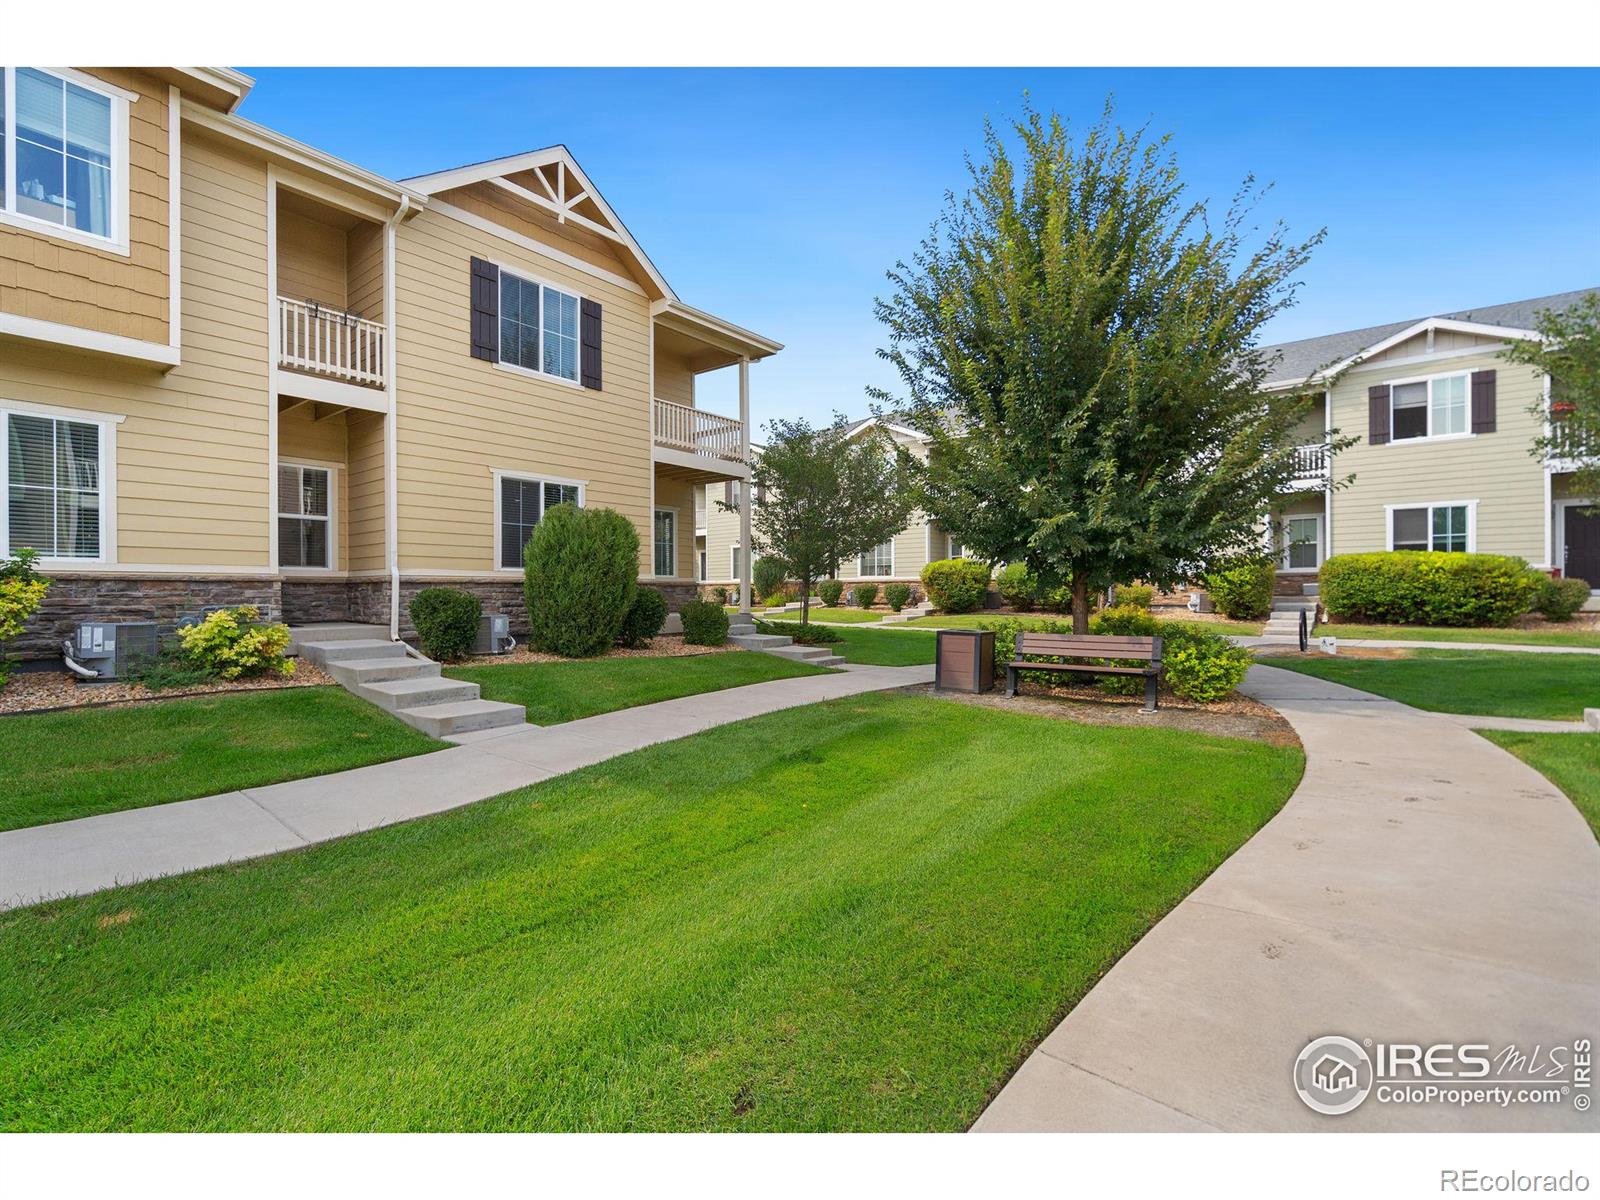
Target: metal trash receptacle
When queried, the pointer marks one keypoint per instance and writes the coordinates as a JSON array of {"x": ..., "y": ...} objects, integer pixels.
[{"x": 963, "y": 660}]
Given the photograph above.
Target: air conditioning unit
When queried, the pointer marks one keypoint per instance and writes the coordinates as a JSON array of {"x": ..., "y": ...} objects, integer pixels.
[
  {"x": 494, "y": 634},
  {"x": 111, "y": 649}
]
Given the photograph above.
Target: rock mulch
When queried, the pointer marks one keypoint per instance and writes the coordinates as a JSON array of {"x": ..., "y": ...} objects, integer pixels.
[
  {"x": 46, "y": 691},
  {"x": 659, "y": 647}
]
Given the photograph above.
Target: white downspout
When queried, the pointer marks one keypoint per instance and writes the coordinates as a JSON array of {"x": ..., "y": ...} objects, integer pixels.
[
  {"x": 1327, "y": 483},
  {"x": 391, "y": 499}
]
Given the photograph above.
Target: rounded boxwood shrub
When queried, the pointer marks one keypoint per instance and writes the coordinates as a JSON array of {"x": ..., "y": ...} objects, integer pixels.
[
  {"x": 1018, "y": 588},
  {"x": 1200, "y": 666},
  {"x": 767, "y": 575},
  {"x": 446, "y": 621},
  {"x": 956, "y": 585},
  {"x": 1560, "y": 598},
  {"x": 830, "y": 590},
  {"x": 644, "y": 618},
  {"x": 864, "y": 594},
  {"x": 1140, "y": 595},
  {"x": 895, "y": 595},
  {"x": 579, "y": 575},
  {"x": 704, "y": 623},
  {"x": 1427, "y": 587},
  {"x": 1241, "y": 588}
]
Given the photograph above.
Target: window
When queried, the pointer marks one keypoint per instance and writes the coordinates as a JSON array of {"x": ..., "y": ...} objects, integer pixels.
[
  {"x": 1429, "y": 408},
  {"x": 1431, "y": 527},
  {"x": 957, "y": 550},
  {"x": 523, "y": 500},
  {"x": 666, "y": 541},
  {"x": 733, "y": 563},
  {"x": 53, "y": 487},
  {"x": 1302, "y": 541},
  {"x": 305, "y": 525},
  {"x": 65, "y": 152},
  {"x": 878, "y": 561},
  {"x": 703, "y": 575},
  {"x": 538, "y": 327}
]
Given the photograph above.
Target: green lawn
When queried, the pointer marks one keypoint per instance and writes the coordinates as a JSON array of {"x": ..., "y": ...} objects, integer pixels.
[
  {"x": 839, "y": 616},
  {"x": 1571, "y": 761},
  {"x": 557, "y": 692},
  {"x": 856, "y": 916},
  {"x": 885, "y": 647},
  {"x": 1554, "y": 636},
  {"x": 1491, "y": 683},
  {"x": 62, "y": 765},
  {"x": 1040, "y": 620}
]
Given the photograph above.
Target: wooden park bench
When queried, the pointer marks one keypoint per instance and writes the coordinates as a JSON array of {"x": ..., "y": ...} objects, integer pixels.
[{"x": 1071, "y": 645}]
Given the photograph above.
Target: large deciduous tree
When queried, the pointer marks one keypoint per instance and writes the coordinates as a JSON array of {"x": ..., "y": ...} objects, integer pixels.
[
  {"x": 829, "y": 495},
  {"x": 1569, "y": 353},
  {"x": 1078, "y": 341}
]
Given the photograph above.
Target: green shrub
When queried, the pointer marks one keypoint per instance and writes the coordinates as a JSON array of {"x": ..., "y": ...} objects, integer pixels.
[
  {"x": 864, "y": 594},
  {"x": 1203, "y": 667},
  {"x": 446, "y": 620},
  {"x": 579, "y": 575},
  {"x": 233, "y": 643},
  {"x": 803, "y": 635},
  {"x": 1127, "y": 620},
  {"x": 1558, "y": 599},
  {"x": 895, "y": 595},
  {"x": 644, "y": 618},
  {"x": 169, "y": 668},
  {"x": 704, "y": 624},
  {"x": 1018, "y": 587},
  {"x": 767, "y": 576},
  {"x": 1241, "y": 588},
  {"x": 776, "y": 600},
  {"x": 1427, "y": 587},
  {"x": 22, "y": 590},
  {"x": 830, "y": 590},
  {"x": 1139, "y": 595},
  {"x": 720, "y": 595},
  {"x": 956, "y": 585}
]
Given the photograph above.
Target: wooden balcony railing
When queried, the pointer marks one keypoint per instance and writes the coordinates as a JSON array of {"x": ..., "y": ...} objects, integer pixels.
[
  {"x": 327, "y": 341},
  {"x": 695, "y": 431},
  {"x": 1311, "y": 462}
]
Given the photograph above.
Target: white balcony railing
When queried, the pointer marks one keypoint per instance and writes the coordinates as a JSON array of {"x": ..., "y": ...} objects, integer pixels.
[
  {"x": 695, "y": 431},
  {"x": 1311, "y": 463},
  {"x": 327, "y": 341}
]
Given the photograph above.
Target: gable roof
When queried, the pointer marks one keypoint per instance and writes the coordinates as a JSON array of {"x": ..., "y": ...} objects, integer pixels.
[
  {"x": 560, "y": 200},
  {"x": 1302, "y": 360}
]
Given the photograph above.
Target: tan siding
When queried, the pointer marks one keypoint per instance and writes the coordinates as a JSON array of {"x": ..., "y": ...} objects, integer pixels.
[
  {"x": 495, "y": 204},
  {"x": 722, "y": 533},
  {"x": 364, "y": 270},
  {"x": 52, "y": 280},
  {"x": 1495, "y": 469},
  {"x": 674, "y": 380},
  {"x": 311, "y": 260},
  {"x": 365, "y": 493},
  {"x": 1444, "y": 340}
]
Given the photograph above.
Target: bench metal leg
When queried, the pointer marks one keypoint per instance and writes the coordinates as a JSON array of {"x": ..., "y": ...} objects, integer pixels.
[
  {"x": 1011, "y": 681},
  {"x": 1149, "y": 694}
]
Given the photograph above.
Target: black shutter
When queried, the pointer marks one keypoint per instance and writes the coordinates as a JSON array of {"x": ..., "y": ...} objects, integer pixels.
[
  {"x": 589, "y": 345},
  {"x": 1378, "y": 415},
  {"x": 1483, "y": 402},
  {"x": 485, "y": 300}
]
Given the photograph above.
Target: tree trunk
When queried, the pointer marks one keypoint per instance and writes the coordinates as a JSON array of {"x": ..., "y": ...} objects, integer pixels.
[
  {"x": 805, "y": 600},
  {"x": 1080, "y": 602}
]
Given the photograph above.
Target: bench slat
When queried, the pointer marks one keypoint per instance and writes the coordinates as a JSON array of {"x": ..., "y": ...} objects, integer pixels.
[{"x": 1087, "y": 668}]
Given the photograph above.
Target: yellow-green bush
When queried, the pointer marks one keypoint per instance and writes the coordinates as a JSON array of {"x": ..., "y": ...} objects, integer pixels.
[
  {"x": 233, "y": 643},
  {"x": 22, "y": 590},
  {"x": 1427, "y": 587}
]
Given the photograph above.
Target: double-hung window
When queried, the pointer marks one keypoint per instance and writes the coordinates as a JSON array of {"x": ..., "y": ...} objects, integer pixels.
[
  {"x": 538, "y": 327},
  {"x": 305, "y": 516},
  {"x": 666, "y": 541},
  {"x": 523, "y": 501},
  {"x": 1429, "y": 408},
  {"x": 64, "y": 167},
  {"x": 54, "y": 494},
  {"x": 957, "y": 550},
  {"x": 1431, "y": 527},
  {"x": 877, "y": 561}
]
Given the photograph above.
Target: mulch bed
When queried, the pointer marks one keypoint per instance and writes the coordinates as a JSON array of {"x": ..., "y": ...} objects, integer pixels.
[
  {"x": 1238, "y": 716},
  {"x": 48, "y": 691},
  {"x": 660, "y": 647}
]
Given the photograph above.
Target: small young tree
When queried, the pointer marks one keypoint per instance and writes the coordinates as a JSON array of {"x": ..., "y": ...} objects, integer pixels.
[
  {"x": 1078, "y": 345},
  {"x": 1568, "y": 352},
  {"x": 831, "y": 496}
]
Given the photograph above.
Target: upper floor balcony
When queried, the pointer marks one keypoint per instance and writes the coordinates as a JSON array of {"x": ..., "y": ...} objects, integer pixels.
[
  {"x": 330, "y": 342},
  {"x": 1311, "y": 467},
  {"x": 693, "y": 437},
  {"x": 1572, "y": 442}
]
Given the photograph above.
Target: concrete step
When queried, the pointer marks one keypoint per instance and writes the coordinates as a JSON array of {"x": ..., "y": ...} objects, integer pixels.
[
  {"x": 830, "y": 660},
  {"x": 351, "y": 649},
  {"x": 1287, "y": 604},
  {"x": 462, "y": 716},
  {"x": 353, "y": 673},
  {"x": 758, "y": 641},
  {"x": 334, "y": 631},
  {"x": 735, "y": 620},
  {"x": 801, "y": 653},
  {"x": 398, "y": 694}
]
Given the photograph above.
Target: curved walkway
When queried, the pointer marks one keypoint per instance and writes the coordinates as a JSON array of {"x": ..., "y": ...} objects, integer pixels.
[
  {"x": 71, "y": 858},
  {"x": 1421, "y": 885}
]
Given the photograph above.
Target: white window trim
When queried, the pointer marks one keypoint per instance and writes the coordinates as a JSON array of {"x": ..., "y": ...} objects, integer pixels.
[
  {"x": 332, "y": 518},
  {"x": 1562, "y": 507},
  {"x": 496, "y": 474},
  {"x": 951, "y": 545},
  {"x": 733, "y": 562},
  {"x": 107, "y": 423},
  {"x": 1472, "y": 520},
  {"x": 1283, "y": 556},
  {"x": 117, "y": 242},
  {"x": 890, "y": 575},
  {"x": 518, "y": 369},
  {"x": 664, "y": 508},
  {"x": 1431, "y": 436}
]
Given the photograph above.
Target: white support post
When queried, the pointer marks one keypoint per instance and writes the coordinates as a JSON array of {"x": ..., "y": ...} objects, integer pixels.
[{"x": 744, "y": 487}]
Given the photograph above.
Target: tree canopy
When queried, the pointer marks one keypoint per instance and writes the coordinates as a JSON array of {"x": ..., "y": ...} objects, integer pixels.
[
  {"x": 1079, "y": 344},
  {"x": 1569, "y": 352}
]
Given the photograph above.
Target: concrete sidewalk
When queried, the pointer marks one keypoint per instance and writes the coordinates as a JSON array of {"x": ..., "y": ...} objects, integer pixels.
[
  {"x": 1386, "y": 644},
  {"x": 75, "y": 857},
  {"x": 1421, "y": 885}
]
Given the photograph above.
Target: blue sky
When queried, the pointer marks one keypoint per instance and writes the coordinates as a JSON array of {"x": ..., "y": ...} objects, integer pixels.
[{"x": 778, "y": 198}]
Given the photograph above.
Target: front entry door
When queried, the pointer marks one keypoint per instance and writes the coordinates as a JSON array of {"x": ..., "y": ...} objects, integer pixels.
[{"x": 1583, "y": 546}]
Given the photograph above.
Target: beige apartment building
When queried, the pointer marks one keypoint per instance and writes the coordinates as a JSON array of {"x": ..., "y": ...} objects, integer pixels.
[{"x": 236, "y": 369}]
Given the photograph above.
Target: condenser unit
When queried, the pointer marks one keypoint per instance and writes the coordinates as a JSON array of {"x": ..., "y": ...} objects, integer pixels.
[
  {"x": 494, "y": 634},
  {"x": 109, "y": 650}
]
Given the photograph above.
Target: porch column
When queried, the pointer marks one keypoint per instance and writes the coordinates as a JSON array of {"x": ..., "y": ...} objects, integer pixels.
[{"x": 745, "y": 554}]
